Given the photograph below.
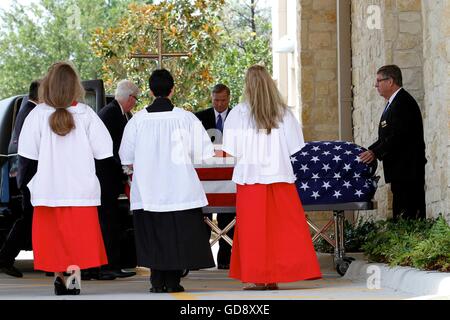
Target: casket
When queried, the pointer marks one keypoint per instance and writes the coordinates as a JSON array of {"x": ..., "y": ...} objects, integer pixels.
[{"x": 331, "y": 172}]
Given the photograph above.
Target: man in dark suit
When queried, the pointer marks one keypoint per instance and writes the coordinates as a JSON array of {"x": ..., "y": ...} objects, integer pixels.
[
  {"x": 400, "y": 145},
  {"x": 115, "y": 116},
  {"x": 23, "y": 170},
  {"x": 213, "y": 120}
]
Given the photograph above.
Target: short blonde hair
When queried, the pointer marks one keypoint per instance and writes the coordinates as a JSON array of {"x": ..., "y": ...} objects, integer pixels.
[{"x": 266, "y": 103}]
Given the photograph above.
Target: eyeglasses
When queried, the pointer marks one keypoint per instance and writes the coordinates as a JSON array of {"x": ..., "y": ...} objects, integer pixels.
[
  {"x": 384, "y": 79},
  {"x": 136, "y": 98}
]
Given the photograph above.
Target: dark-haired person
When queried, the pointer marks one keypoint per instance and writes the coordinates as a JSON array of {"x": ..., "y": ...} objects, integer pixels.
[
  {"x": 160, "y": 143},
  {"x": 65, "y": 136},
  {"x": 400, "y": 145},
  {"x": 214, "y": 118},
  {"x": 23, "y": 170}
]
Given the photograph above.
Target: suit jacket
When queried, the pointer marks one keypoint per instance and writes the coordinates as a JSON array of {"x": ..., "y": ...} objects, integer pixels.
[
  {"x": 26, "y": 168},
  {"x": 400, "y": 145},
  {"x": 109, "y": 171},
  {"x": 208, "y": 118}
]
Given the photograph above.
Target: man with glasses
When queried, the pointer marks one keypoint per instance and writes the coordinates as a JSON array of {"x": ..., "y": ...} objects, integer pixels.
[
  {"x": 400, "y": 145},
  {"x": 115, "y": 116}
]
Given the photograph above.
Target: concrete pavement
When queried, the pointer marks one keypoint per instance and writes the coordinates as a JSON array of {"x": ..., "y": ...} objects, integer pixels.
[{"x": 209, "y": 284}]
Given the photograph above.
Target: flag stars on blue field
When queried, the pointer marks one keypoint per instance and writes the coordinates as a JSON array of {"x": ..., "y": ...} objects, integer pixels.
[
  {"x": 315, "y": 195},
  {"x": 332, "y": 172},
  {"x": 359, "y": 193},
  {"x": 326, "y": 185},
  {"x": 337, "y": 159},
  {"x": 337, "y": 194},
  {"x": 347, "y": 184},
  {"x": 315, "y": 159},
  {"x": 305, "y": 186}
]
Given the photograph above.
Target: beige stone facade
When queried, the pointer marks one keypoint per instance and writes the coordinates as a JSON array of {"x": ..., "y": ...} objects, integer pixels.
[
  {"x": 436, "y": 25},
  {"x": 318, "y": 72},
  {"x": 414, "y": 34}
]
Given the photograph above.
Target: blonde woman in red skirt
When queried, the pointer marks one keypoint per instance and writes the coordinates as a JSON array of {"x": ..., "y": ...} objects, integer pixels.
[
  {"x": 65, "y": 136},
  {"x": 272, "y": 243}
]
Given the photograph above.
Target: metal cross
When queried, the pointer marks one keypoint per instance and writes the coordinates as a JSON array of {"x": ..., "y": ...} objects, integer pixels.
[{"x": 160, "y": 55}]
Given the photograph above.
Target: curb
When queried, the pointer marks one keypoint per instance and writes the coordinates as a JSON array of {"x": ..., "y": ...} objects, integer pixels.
[{"x": 404, "y": 279}]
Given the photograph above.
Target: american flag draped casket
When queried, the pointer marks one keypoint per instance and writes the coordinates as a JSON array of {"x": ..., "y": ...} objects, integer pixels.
[
  {"x": 327, "y": 172},
  {"x": 330, "y": 172},
  {"x": 215, "y": 175}
]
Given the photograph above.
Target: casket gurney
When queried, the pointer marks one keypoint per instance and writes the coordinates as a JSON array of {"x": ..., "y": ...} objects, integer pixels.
[
  {"x": 341, "y": 261},
  {"x": 215, "y": 175},
  {"x": 217, "y": 172}
]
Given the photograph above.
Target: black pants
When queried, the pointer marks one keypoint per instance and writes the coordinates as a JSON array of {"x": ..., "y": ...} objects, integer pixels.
[
  {"x": 165, "y": 278},
  {"x": 19, "y": 236},
  {"x": 110, "y": 223},
  {"x": 409, "y": 199}
]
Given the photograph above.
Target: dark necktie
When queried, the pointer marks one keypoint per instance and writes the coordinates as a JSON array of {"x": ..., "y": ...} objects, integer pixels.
[{"x": 219, "y": 123}]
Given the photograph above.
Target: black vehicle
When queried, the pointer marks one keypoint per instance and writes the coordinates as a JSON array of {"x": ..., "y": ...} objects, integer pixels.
[{"x": 10, "y": 197}]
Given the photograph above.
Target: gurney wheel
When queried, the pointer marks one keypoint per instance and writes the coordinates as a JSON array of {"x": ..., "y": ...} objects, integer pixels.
[{"x": 342, "y": 267}]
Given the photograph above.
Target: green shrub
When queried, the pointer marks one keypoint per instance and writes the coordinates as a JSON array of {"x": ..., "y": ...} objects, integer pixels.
[
  {"x": 433, "y": 253},
  {"x": 423, "y": 244}
]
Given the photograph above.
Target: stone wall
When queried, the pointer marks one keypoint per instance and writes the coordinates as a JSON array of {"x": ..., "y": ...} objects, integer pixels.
[
  {"x": 436, "y": 17},
  {"x": 414, "y": 34},
  {"x": 369, "y": 53},
  {"x": 395, "y": 39},
  {"x": 318, "y": 73}
]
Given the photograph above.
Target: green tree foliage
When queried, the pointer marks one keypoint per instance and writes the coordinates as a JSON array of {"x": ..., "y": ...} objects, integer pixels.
[
  {"x": 34, "y": 37},
  {"x": 246, "y": 41},
  {"x": 188, "y": 26}
]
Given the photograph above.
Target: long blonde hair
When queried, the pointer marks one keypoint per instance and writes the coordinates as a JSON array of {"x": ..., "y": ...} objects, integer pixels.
[
  {"x": 266, "y": 103},
  {"x": 60, "y": 87}
]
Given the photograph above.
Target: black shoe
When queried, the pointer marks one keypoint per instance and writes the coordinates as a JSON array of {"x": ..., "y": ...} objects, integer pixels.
[
  {"x": 88, "y": 275},
  {"x": 105, "y": 275},
  {"x": 223, "y": 266},
  {"x": 177, "y": 288},
  {"x": 60, "y": 287},
  {"x": 158, "y": 290},
  {"x": 73, "y": 288},
  {"x": 120, "y": 273},
  {"x": 12, "y": 271}
]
